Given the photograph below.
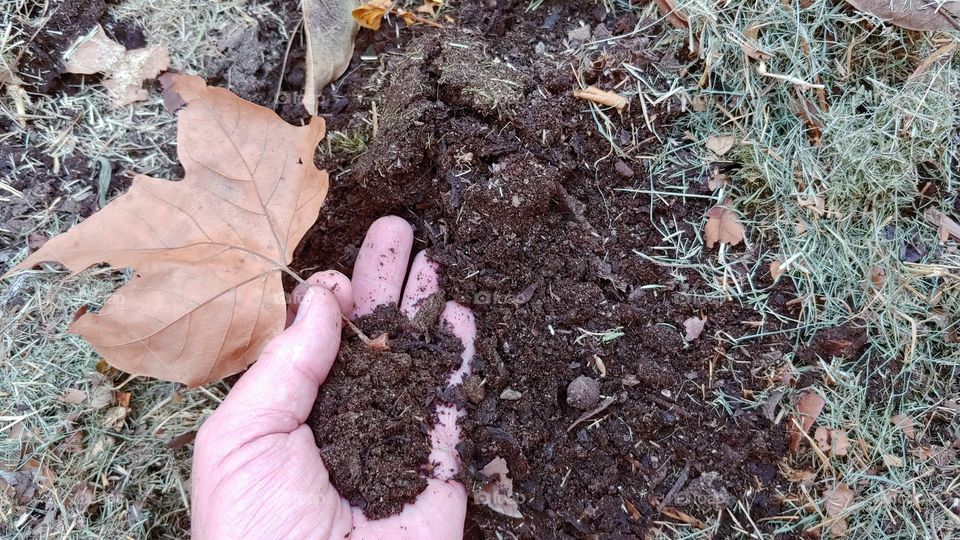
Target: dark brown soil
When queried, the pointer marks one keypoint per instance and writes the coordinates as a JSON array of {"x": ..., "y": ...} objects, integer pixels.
[
  {"x": 482, "y": 146},
  {"x": 373, "y": 415}
]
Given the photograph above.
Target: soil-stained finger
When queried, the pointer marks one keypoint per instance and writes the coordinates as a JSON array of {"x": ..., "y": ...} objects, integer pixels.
[
  {"x": 459, "y": 319},
  {"x": 332, "y": 280},
  {"x": 424, "y": 281},
  {"x": 381, "y": 264}
]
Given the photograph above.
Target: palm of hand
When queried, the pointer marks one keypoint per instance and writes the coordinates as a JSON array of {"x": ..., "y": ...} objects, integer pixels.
[{"x": 257, "y": 472}]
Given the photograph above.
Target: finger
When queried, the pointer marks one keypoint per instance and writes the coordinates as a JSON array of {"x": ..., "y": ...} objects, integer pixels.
[
  {"x": 277, "y": 393},
  {"x": 424, "y": 281},
  {"x": 381, "y": 264},
  {"x": 445, "y": 434},
  {"x": 331, "y": 280}
]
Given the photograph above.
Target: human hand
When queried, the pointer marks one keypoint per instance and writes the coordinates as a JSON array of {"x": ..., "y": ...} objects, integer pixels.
[{"x": 257, "y": 472}]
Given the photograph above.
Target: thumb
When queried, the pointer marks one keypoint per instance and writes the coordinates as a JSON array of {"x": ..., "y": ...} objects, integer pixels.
[{"x": 277, "y": 393}]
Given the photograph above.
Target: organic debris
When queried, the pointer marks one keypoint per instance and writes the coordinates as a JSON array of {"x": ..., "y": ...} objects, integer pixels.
[
  {"x": 946, "y": 227},
  {"x": 124, "y": 70},
  {"x": 370, "y": 14},
  {"x": 602, "y": 97},
  {"x": 914, "y": 15},
  {"x": 836, "y": 500},
  {"x": 809, "y": 408},
  {"x": 832, "y": 442},
  {"x": 496, "y": 493},
  {"x": 723, "y": 226},
  {"x": 209, "y": 248},
  {"x": 720, "y": 144},
  {"x": 693, "y": 327},
  {"x": 330, "y": 30}
]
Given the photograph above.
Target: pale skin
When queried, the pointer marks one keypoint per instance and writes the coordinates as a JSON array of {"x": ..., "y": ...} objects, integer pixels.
[{"x": 257, "y": 472}]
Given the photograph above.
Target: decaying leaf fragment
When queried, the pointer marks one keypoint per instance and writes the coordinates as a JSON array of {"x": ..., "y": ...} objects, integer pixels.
[
  {"x": 330, "y": 30},
  {"x": 672, "y": 14},
  {"x": 809, "y": 408},
  {"x": 125, "y": 70},
  {"x": 720, "y": 144},
  {"x": 723, "y": 226},
  {"x": 914, "y": 14},
  {"x": 602, "y": 97},
  {"x": 946, "y": 227},
  {"x": 205, "y": 295},
  {"x": 836, "y": 501},
  {"x": 497, "y": 492},
  {"x": 693, "y": 327}
]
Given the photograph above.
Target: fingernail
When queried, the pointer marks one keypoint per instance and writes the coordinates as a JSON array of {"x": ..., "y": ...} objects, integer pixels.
[{"x": 306, "y": 303}]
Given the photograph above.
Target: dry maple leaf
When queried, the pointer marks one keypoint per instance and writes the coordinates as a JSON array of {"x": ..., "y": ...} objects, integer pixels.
[
  {"x": 602, "y": 97},
  {"x": 330, "y": 29},
  {"x": 722, "y": 226},
  {"x": 207, "y": 251},
  {"x": 497, "y": 493},
  {"x": 125, "y": 70},
  {"x": 914, "y": 14},
  {"x": 836, "y": 500}
]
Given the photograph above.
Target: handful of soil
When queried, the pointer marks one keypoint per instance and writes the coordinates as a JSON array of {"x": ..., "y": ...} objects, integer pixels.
[{"x": 373, "y": 415}]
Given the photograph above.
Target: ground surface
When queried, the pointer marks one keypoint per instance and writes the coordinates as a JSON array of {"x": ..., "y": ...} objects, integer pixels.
[{"x": 573, "y": 232}]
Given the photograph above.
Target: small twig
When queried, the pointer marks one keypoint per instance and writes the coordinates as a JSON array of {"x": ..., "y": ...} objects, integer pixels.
[{"x": 681, "y": 481}]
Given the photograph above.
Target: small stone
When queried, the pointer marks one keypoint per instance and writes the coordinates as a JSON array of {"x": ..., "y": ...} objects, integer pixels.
[
  {"x": 583, "y": 393},
  {"x": 623, "y": 169},
  {"x": 510, "y": 395}
]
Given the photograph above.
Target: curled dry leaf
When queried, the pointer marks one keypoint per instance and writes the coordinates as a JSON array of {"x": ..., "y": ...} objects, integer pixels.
[
  {"x": 207, "y": 252},
  {"x": 808, "y": 408},
  {"x": 836, "y": 501},
  {"x": 693, "y": 327},
  {"x": 124, "y": 70},
  {"x": 370, "y": 14},
  {"x": 723, "y": 226},
  {"x": 914, "y": 14},
  {"x": 679, "y": 515},
  {"x": 602, "y": 97},
  {"x": 330, "y": 29},
  {"x": 497, "y": 492}
]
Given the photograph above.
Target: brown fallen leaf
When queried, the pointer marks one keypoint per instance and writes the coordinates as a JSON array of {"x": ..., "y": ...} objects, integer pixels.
[
  {"x": 906, "y": 424},
  {"x": 124, "y": 70},
  {"x": 833, "y": 442},
  {"x": 207, "y": 252},
  {"x": 776, "y": 269},
  {"x": 73, "y": 396},
  {"x": 370, "y": 14},
  {"x": 941, "y": 55},
  {"x": 800, "y": 476},
  {"x": 720, "y": 144},
  {"x": 693, "y": 327},
  {"x": 914, "y": 14},
  {"x": 717, "y": 180},
  {"x": 330, "y": 29},
  {"x": 723, "y": 226},
  {"x": 430, "y": 7},
  {"x": 672, "y": 14},
  {"x": 946, "y": 227},
  {"x": 836, "y": 501},
  {"x": 602, "y": 97},
  {"x": 497, "y": 492},
  {"x": 808, "y": 408}
]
